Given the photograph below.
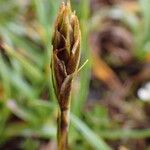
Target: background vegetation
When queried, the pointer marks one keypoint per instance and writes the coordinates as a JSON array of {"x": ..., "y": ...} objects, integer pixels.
[{"x": 108, "y": 111}]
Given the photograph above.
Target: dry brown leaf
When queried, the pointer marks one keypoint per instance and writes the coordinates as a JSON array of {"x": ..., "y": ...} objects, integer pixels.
[
  {"x": 148, "y": 58},
  {"x": 123, "y": 148},
  {"x": 130, "y": 6},
  {"x": 104, "y": 73}
]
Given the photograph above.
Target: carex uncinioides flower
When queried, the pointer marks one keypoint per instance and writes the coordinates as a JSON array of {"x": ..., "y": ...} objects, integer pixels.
[
  {"x": 66, "y": 53},
  {"x": 65, "y": 61}
]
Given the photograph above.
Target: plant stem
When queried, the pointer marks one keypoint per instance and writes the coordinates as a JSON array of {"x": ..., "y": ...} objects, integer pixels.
[{"x": 63, "y": 126}]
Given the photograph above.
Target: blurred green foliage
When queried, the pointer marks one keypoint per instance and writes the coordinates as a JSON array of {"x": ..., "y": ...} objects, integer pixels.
[{"x": 27, "y": 102}]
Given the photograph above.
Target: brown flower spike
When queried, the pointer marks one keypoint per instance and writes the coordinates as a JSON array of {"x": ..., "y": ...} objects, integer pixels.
[{"x": 65, "y": 61}]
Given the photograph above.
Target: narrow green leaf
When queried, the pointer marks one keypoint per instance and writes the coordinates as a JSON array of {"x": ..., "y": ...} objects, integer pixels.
[
  {"x": 87, "y": 133},
  {"x": 127, "y": 133}
]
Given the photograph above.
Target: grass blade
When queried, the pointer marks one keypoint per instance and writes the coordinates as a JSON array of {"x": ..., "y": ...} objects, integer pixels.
[{"x": 90, "y": 136}]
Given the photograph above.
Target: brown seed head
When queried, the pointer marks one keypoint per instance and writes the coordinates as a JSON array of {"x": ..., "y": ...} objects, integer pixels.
[{"x": 66, "y": 51}]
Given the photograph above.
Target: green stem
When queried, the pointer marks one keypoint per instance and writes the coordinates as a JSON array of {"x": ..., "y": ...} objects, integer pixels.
[{"x": 63, "y": 126}]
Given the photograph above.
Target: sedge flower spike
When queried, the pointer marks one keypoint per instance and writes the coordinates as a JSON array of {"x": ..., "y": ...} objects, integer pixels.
[
  {"x": 65, "y": 61},
  {"x": 66, "y": 53}
]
